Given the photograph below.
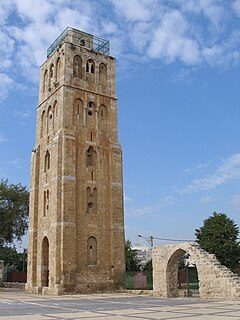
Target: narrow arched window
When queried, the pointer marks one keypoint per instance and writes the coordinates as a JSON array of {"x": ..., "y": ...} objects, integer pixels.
[
  {"x": 77, "y": 111},
  {"x": 45, "y": 81},
  {"x": 90, "y": 67},
  {"x": 42, "y": 123},
  {"x": 91, "y": 156},
  {"x": 57, "y": 72},
  {"x": 103, "y": 74},
  {"x": 103, "y": 117},
  {"x": 49, "y": 119},
  {"x": 92, "y": 251},
  {"x": 51, "y": 72},
  {"x": 77, "y": 66},
  {"x": 55, "y": 114},
  {"x": 47, "y": 161}
]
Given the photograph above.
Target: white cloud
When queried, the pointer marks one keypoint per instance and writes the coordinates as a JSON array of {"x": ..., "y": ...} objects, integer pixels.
[
  {"x": 229, "y": 170},
  {"x": 16, "y": 163},
  {"x": 133, "y": 10},
  {"x": 205, "y": 199},
  {"x": 143, "y": 212},
  {"x": 2, "y": 139},
  {"x": 171, "y": 41},
  {"x": 166, "y": 200},
  {"x": 236, "y": 7},
  {"x": 7, "y": 84},
  {"x": 235, "y": 200}
]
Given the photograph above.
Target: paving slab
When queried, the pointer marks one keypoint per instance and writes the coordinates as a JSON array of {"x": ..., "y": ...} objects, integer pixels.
[{"x": 18, "y": 305}]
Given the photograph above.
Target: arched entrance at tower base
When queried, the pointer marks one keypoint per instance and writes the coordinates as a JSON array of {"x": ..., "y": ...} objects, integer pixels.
[{"x": 45, "y": 263}]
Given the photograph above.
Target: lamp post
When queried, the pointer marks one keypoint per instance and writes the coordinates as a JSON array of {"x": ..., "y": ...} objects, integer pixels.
[{"x": 148, "y": 239}]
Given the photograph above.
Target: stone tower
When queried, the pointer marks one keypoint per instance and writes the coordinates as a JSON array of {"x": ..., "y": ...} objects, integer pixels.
[{"x": 76, "y": 227}]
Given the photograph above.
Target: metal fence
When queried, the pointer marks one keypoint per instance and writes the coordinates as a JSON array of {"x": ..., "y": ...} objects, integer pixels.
[{"x": 139, "y": 280}]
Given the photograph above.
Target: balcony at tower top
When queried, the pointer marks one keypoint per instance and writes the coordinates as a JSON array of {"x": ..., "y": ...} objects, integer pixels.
[{"x": 80, "y": 38}]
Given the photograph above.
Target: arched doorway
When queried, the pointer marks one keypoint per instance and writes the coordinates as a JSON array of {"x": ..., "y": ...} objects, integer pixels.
[
  {"x": 172, "y": 273},
  {"x": 45, "y": 262},
  {"x": 181, "y": 275}
]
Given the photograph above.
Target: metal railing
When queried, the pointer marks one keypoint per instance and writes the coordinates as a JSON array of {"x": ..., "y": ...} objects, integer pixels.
[{"x": 82, "y": 39}]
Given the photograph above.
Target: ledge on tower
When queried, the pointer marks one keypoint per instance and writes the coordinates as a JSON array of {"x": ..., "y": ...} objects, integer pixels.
[{"x": 80, "y": 38}]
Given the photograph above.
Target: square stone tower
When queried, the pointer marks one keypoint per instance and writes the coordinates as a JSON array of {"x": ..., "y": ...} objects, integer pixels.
[{"x": 76, "y": 222}]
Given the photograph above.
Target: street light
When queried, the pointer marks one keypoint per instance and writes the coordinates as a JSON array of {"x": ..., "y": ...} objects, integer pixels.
[{"x": 148, "y": 239}]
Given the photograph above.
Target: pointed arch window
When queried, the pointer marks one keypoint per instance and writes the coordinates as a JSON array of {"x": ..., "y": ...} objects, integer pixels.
[
  {"x": 103, "y": 74},
  {"x": 92, "y": 251},
  {"x": 90, "y": 67},
  {"x": 47, "y": 161},
  {"x": 77, "y": 66},
  {"x": 91, "y": 157}
]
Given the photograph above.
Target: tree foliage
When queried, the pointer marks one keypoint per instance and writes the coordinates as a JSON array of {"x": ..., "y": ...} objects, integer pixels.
[
  {"x": 13, "y": 260},
  {"x": 218, "y": 235},
  {"x": 148, "y": 267},
  {"x": 14, "y": 205},
  {"x": 131, "y": 257}
]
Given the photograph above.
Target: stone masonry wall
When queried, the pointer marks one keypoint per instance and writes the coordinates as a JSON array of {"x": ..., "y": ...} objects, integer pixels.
[{"x": 215, "y": 280}]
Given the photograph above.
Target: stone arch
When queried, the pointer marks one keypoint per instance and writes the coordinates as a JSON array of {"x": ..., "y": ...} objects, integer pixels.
[
  {"x": 77, "y": 66},
  {"x": 78, "y": 111},
  {"x": 103, "y": 74},
  {"x": 165, "y": 268},
  {"x": 45, "y": 262},
  {"x": 172, "y": 273},
  {"x": 90, "y": 66},
  {"x": 92, "y": 251}
]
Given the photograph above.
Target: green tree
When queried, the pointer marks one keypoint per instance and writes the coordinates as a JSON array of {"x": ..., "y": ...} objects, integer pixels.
[
  {"x": 148, "y": 266},
  {"x": 218, "y": 235},
  {"x": 131, "y": 257},
  {"x": 13, "y": 260},
  {"x": 14, "y": 205}
]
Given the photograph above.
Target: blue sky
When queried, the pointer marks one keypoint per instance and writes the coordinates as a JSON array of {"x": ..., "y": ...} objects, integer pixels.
[{"x": 178, "y": 85}]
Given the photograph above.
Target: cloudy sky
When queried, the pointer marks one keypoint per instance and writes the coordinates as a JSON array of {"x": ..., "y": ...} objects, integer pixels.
[{"x": 178, "y": 84}]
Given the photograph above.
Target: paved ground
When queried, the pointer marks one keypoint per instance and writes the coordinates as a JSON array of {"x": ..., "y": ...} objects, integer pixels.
[{"x": 18, "y": 305}]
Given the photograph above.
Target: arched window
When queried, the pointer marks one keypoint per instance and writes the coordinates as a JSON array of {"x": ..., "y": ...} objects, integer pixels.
[
  {"x": 45, "y": 263},
  {"x": 91, "y": 108},
  {"x": 57, "y": 71},
  {"x": 103, "y": 117},
  {"x": 55, "y": 114},
  {"x": 77, "y": 66},
  {"x": 47, "y": 161},
  {"x": 49, "y": 119},
  {"x": 91, "y": 157},
  {"x": 90, "y": 67},
  {"x": 103, "y": 74},
  {"x": 42, "y": 123},
  {"x": 77, "y": 111},
  {"x": 45, "y": 202},
  {"x": 45, "y": 81},
  {"x": 51, "y": 72},
  {"x": 92, "y": 251}
]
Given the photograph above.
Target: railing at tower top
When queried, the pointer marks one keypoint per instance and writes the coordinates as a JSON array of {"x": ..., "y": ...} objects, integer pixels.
[{"x": 82, "y": 39}]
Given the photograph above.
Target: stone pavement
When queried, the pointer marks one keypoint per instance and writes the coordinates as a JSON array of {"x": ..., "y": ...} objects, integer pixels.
[{"x": 19, "y": 305}]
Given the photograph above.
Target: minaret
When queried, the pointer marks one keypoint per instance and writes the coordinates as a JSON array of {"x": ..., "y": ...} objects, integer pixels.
[{"x": 76, "y": 222}]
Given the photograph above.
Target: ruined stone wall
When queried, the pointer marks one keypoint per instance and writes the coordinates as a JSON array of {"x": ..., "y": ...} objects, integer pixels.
[{"x": 215, "y": 281}]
